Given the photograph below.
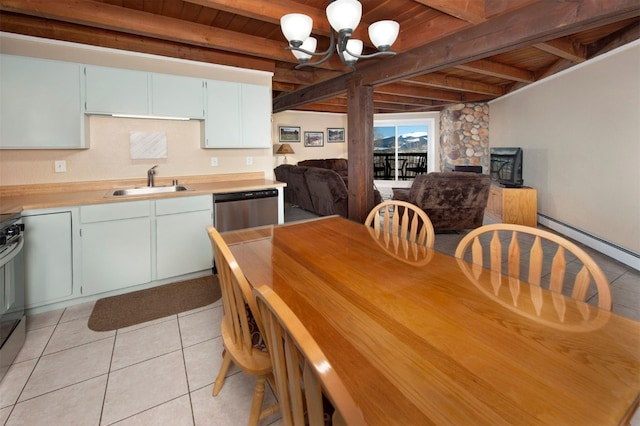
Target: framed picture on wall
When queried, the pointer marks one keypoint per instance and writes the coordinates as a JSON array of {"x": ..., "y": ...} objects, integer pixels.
[
  {"x": 335, "y": 134},
  {"x": 288, "y": 134},
  {"x": 313, "y": 138}
]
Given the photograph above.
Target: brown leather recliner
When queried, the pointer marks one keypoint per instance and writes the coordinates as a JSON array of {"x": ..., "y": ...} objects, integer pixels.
[{"x": 452, "y": 200}]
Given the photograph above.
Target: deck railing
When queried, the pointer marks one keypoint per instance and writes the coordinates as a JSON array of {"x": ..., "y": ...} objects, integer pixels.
[{"x": 408, "y": 165}]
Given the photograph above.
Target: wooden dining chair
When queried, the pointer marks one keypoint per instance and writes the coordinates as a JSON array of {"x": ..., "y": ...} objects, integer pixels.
[
  {"x": 302, "y": 372},
  {"x": 240, "y": 328},
  {"x": 399, "y": 220},
  {"x": 550, "y": 257}
]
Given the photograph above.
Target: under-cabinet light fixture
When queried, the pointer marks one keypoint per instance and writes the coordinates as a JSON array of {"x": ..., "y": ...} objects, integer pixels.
[{"x": 155, "y": 117}]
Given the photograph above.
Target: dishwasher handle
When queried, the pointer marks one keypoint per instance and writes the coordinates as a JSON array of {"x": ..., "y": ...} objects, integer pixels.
[{"x": 245, "y": 195}]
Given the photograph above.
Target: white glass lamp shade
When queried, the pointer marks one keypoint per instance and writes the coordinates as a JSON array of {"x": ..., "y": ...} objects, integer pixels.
[
  {"x": 383, "y": 34},
  {"x": 344, "y": 14},
  {"x": 309, "y": 45},
  {"x": 296, "y": 27},
  {"x": 354, "y": 46}
]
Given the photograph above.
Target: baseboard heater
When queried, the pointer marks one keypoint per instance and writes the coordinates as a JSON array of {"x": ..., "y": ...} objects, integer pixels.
[{"x": 605, "y": 247}]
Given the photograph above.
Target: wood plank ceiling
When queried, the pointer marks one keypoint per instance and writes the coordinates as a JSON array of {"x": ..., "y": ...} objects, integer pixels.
[{"x": 246, "y": 33}]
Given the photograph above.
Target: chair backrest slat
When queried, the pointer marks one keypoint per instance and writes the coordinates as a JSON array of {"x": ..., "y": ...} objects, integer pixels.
[
  {"x": 514, "y": 256},
  {"x": 496, "y": 252},
  {"x": 536, "y": 256},
  {"x": 558, "y": 270}
]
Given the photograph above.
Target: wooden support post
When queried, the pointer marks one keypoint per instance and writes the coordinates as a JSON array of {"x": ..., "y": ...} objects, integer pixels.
[{"x": 360, "y": 148}]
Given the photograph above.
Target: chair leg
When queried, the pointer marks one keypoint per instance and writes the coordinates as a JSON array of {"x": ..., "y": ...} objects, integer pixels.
[
  {"x": 226, "y": 363},
  {"x": 258, "y": 397}
]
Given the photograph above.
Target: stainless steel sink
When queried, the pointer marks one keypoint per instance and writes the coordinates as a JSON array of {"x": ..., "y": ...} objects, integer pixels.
[{"x": 146, "y": 190}]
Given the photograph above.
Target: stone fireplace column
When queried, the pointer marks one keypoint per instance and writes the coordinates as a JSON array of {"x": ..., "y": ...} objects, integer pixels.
[{"x": 464, "y": 136}]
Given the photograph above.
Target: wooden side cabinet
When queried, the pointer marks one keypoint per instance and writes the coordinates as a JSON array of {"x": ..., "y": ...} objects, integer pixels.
[{"x": 513, "y": 205}]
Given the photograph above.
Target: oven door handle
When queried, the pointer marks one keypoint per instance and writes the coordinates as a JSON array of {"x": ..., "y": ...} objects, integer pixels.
[{"x": 12, "y": 252}]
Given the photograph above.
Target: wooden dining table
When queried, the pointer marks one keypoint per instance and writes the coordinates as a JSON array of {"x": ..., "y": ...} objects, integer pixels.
[{"x": 420, "y": 337}]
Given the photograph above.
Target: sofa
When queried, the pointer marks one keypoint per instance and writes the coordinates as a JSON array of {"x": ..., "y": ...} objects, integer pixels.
[
  {"x": 338, "y": 165},
  {"x": 318, "y": 186},
  {"x": 453, "y": 200}
]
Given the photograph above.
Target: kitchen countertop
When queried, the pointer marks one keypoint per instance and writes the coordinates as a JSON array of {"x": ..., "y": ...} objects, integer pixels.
[{"x": 42, "y": 196}]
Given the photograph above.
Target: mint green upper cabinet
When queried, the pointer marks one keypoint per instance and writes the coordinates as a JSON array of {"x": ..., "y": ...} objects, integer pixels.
[
  {"x": 121, "y": 91},
  {"x": 116, "y": 91},
  {"x": 40, "y": 104},
  {"x": 238, "y": 115},
  {"x": 176, "y": 96},
  {"x": 256, "y": 116}
]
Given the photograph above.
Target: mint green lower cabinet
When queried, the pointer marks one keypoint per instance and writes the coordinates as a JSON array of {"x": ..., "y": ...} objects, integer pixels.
[
  {"x": 116, "y": 246},
  {"x": 182, "y": 243},
  {"x": 48, "y": 254}
]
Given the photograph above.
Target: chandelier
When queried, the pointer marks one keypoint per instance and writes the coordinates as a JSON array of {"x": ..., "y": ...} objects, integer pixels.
[{"x": 344, "y": 16}]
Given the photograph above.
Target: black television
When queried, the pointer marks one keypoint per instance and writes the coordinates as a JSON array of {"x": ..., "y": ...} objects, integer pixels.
[{"x": 506, "y": 166}]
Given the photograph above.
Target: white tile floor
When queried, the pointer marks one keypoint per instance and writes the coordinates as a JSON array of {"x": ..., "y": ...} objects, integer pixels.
[{"x": 161, "y": 372}]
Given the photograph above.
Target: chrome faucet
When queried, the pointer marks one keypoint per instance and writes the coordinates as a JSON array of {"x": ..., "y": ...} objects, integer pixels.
[{"x": 150, "y": 173}]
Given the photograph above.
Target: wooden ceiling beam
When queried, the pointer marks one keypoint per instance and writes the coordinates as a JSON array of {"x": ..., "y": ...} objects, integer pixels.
[
  {"x": 564, "y": 48},
  {"x": 538, "y": 22},
  {"x": 45, "y": 28},
  {"x": 495, "y": 69},
  {"x": 280, "y": 86},
  {"x": 443, "y": 81},
  {"x": 404, "y": 100},
  {"x": 626, "y": 35},
  {"x": 494, "y": 8},
  {"x": 287, "y": 75},
  {"x": 106, "y": 16},
  {"x": 273, "y": 10},
  {"x": 429, "y": 93},
  {"x": 324, "y": 108},
  {"x": 467, "y": 10},
  {"x": 394, "y": 107},
  {"x": 427, "y": 32}
]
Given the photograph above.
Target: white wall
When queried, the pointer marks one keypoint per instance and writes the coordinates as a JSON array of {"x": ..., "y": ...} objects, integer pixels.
[
  {"x": 310, "y": 122},
  {"x": 580, "y": 131}
]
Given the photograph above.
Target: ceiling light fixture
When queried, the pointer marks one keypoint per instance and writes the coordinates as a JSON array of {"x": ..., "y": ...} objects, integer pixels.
[{"x": 344, "y": 16}]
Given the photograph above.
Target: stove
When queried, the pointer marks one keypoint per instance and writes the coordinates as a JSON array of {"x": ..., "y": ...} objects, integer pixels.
[{"x": 12, "y": 289}]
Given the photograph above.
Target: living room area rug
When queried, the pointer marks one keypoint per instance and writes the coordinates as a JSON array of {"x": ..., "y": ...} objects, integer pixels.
[{"x": 124, "y": 310}]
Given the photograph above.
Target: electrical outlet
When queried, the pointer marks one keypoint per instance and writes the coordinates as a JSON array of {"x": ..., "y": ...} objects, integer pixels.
[
  {"x": 249, "y": 161},
  {"x": 60, "y": 166},
  {"x": 214, "y": 161}
]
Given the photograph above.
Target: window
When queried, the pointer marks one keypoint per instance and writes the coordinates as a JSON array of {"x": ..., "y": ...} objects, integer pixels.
[{"x": 400, "y": 148}]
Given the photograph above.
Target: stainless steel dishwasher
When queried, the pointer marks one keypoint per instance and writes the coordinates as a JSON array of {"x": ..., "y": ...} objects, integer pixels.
[{"x": 239, "y": 210}]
